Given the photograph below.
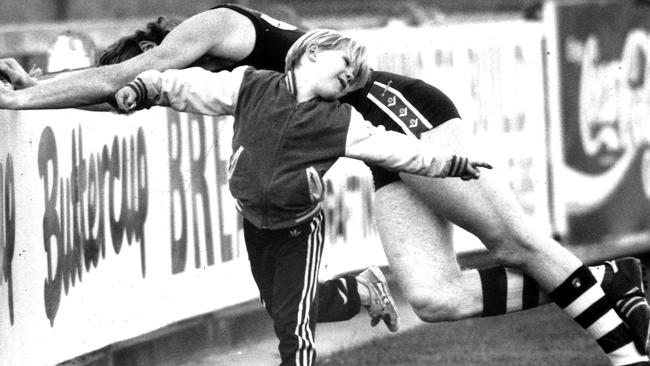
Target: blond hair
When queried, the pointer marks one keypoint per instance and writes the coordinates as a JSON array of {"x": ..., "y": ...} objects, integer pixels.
[{"x": 327, "y": 39}]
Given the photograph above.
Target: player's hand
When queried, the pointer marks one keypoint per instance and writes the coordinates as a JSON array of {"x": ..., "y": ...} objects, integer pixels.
[
  {"x": 472, "y": 170},
  {"x": 126, "y": 99},
  {"x": 16, "y": 75},
  {"x": 7, "y": 96}
]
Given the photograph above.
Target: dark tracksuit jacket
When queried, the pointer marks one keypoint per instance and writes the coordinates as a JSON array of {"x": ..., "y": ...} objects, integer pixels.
[{"x": 281, "y": 150}]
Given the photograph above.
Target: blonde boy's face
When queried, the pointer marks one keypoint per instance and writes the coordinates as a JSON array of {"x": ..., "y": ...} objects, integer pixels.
[{"x": 334, "y": 73}]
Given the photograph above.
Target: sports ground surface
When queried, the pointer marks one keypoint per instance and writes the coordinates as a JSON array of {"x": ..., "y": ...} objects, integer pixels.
[{"x": 544, "y": 336}]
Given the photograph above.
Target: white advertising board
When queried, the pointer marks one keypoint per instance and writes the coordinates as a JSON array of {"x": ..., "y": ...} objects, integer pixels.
[{"x": 113, "y": 226}]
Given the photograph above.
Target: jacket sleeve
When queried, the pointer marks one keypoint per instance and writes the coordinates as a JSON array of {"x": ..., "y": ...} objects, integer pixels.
[
  {"x": 395, "y": 151},
  {"x": 193, "y": 90}
]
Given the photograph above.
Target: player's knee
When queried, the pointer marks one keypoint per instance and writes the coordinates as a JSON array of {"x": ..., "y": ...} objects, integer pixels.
[{"x": 433, "y": 307}]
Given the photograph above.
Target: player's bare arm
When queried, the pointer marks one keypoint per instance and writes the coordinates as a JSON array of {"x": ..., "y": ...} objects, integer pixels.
[
  {"x": 95, "y": 85},
  {"x": 13, "y": 72},
  {"x": 212, "y": 33}
]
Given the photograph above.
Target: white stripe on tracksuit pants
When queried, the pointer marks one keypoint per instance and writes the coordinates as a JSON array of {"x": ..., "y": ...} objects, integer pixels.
[
  {"x": 285, "y": 265},
  {"x": 306, "y": 354}
]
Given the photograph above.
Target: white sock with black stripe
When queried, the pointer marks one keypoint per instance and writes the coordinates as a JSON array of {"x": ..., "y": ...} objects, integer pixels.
[
  {"x": 581, "y": 297},
  {"x": 506, "y": 290}
]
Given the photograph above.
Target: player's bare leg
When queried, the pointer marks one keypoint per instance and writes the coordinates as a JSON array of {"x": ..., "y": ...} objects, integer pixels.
[
  {"x": 419, "y": 250},
  {"x": 488, "y": 209}
]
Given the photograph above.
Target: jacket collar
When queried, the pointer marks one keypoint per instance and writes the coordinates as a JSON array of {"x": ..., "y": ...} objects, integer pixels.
[{"x": 290, "y": 80}]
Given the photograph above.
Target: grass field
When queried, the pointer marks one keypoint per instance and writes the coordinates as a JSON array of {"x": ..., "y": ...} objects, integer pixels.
[{"x": 543, "y": 336}]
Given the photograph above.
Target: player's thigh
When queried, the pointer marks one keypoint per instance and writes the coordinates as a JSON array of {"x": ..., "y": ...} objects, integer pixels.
[
  {"x": 416, "y": 241},
  {"x": 485, "y": 207}
]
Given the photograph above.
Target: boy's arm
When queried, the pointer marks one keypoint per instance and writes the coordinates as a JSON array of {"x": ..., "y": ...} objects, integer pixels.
[
  {"x": 192, "y": 90},
  {"x": 400, "y": 152}
]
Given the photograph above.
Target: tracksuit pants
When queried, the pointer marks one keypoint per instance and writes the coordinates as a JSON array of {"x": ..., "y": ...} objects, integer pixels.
[
  {"x": 285, "y": 265},
  {"x": 338, "y": 299}
]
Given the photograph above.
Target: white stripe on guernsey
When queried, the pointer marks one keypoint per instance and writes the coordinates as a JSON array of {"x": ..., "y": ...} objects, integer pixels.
[
  {"x": 514, "y": 300},
  {"x": 302, "y": 331},
  {"x": 584, "y": 301},
  {"x": 390, "y": 113},
  {"x": 604, "y": 324},
  {"x": 626, "y": 355},
  {"x": 409, "y": 105}
]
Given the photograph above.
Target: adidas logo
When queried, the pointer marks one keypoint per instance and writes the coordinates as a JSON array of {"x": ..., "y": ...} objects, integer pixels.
[{"x": 294, "y": 233}]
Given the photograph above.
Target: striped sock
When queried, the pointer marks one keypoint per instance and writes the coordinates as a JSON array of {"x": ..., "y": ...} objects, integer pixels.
[
  {"x": 581, "y": 297},
  {"x": 507, "y": 290}
]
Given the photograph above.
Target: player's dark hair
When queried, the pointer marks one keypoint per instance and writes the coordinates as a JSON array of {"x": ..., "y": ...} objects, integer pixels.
[{"x": 129, "y": 46}]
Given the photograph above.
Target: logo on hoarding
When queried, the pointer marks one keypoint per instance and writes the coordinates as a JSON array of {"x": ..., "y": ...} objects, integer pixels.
[
  {"x": 198, "y": 169},
  {"x": 613, "y": 106},
  {"x": 78, "y": 206},
  {"x": 7, "y": 230}
]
